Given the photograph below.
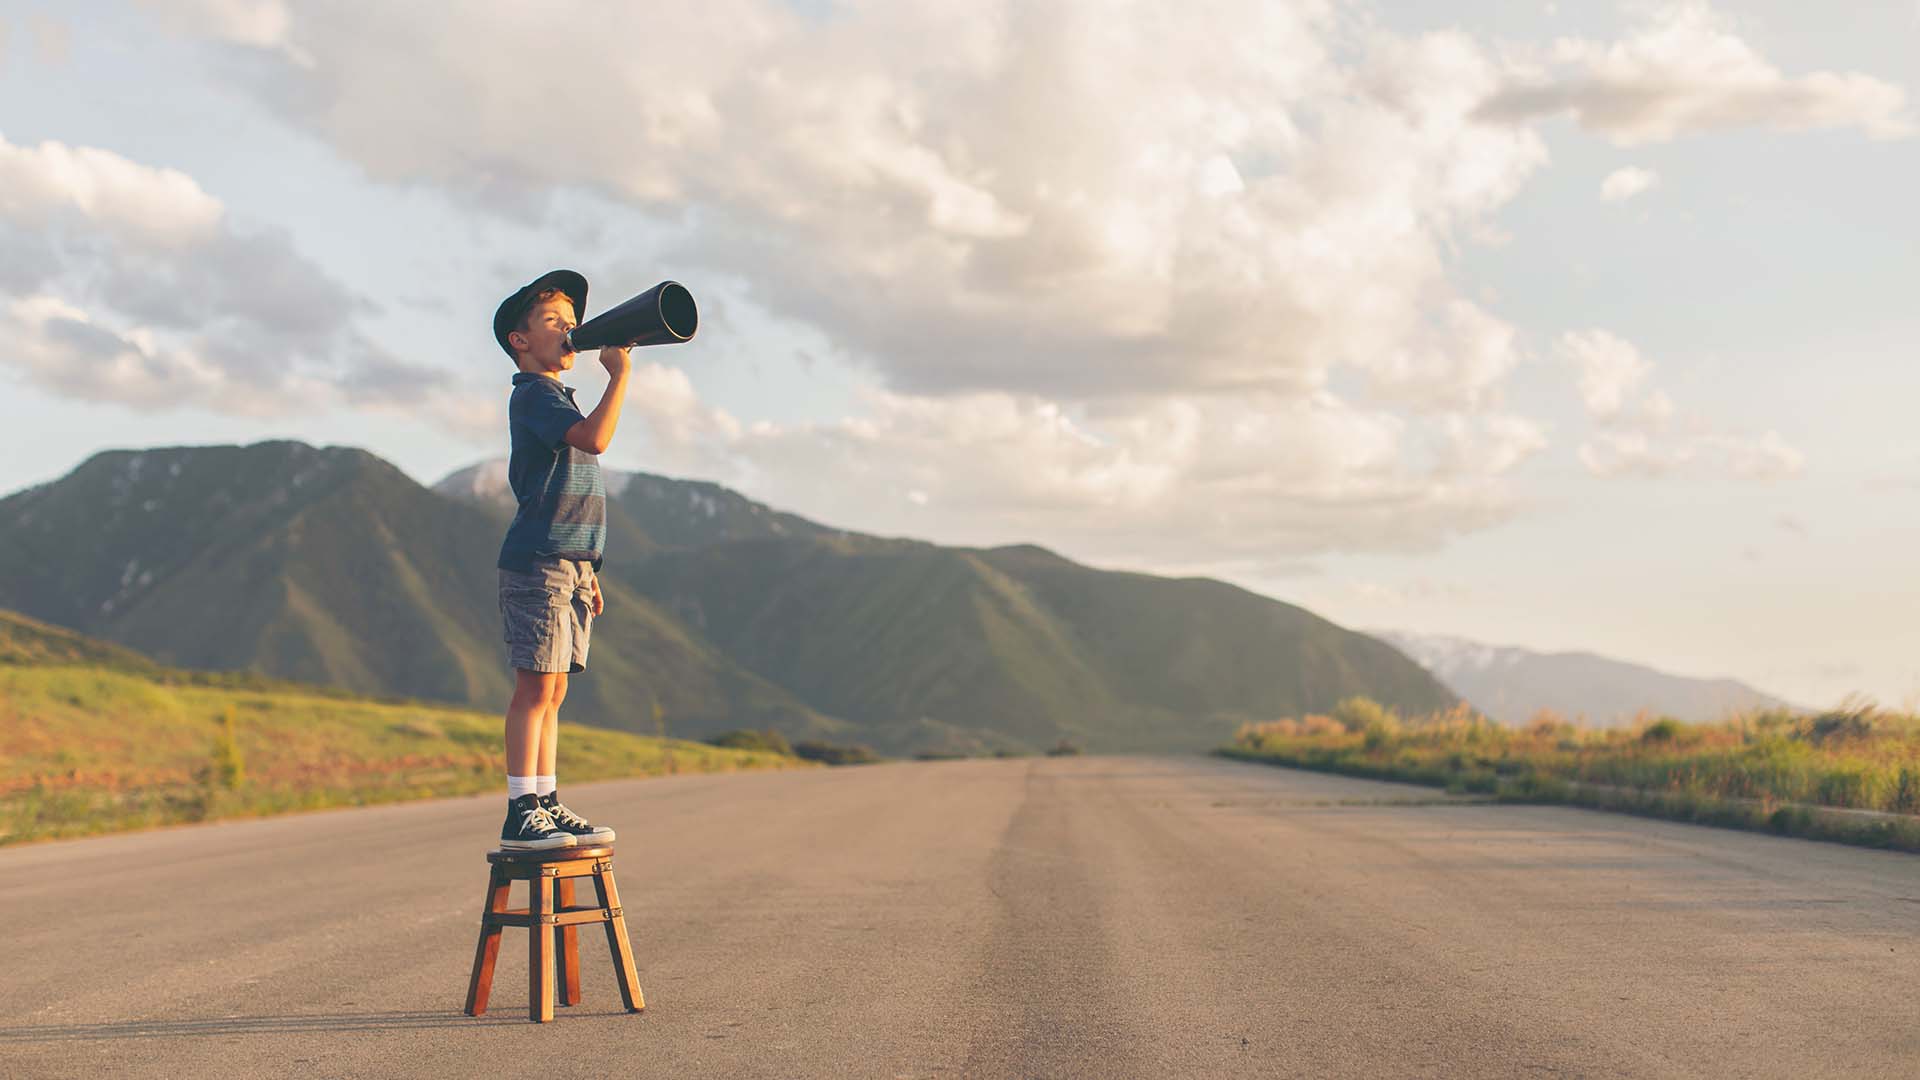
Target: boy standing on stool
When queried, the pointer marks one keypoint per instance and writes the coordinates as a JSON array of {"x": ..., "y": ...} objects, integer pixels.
[{"x": 549, "y": 563}]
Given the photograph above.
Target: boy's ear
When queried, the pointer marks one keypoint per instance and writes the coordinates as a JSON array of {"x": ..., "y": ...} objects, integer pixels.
[{"x": 519, "y": 341}]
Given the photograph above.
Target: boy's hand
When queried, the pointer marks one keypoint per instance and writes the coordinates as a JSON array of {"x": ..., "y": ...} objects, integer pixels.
[
  {"x": 599, "y": 603},
  {"x": 616, "y": 361}
]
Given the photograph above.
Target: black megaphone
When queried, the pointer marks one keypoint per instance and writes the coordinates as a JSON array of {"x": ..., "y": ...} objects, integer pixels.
[{"x": 663, "y": 315}]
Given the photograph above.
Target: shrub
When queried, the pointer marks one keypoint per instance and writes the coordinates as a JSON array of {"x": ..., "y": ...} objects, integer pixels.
[
  {"x": 227, "y": 769},
  {"x": 1063, "y": 748},
  {"x": 1380, "y": 733},
  {"x": 1858, "y": 722},
  {"x": 1320, "y": 724},
  {"x": 834, "y": 754},
  {"x": 1664, "y": 730},
  {"x": 1790, "y": 819},
  {"x": 1547, "y": 724},
  {"x": 1359, "y": 713},
  {"x": 1906, "y": 792},
  {"x": 768, "y": 740}
]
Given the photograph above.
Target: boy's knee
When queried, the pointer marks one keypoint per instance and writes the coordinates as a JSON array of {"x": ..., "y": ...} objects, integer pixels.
[{"x": 539, "y": 688}]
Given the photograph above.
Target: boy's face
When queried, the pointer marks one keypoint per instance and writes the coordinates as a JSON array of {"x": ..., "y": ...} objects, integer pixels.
[{"x": 542, "y": 346}]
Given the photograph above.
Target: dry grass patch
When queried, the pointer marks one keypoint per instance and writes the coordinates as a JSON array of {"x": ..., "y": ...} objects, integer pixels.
[
  {"x": 1787, "y": 772},
  {"x": 87, "y": 750}
]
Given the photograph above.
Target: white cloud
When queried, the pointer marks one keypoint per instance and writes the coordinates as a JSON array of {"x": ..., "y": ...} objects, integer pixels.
[
  {"x": 1609, "y": 370},
  {"x": 1221, "y": 485},
  {"x": 1766, "y": 459},
  {"x": 1631, "y": 443},
  {"x": 130, "y": 284},
  {"x": 1070, "y": 200},
  {"x": 1656, "y": 412},
  {"x": 1685, "y": 70},
  {"x": 1623, "y": 184},
  {"x": 60, "y": 345},
  {"x": 1459, "y": 364},
  {"x": 685, "y": 431},
  {"x": 261, "y": 23},
  {"x": 161, "y": 208},
  {"x": 1490, "y": 445},
  {"x": 1631, "y": 453},
  {"x": 1104, "y": 263}
]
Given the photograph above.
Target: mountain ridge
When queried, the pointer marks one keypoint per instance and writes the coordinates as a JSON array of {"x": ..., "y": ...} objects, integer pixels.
[{"x": 1513, "y": 683}]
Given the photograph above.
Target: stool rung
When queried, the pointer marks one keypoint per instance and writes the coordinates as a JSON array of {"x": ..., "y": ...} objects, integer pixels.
[
  {"x": 569, "y": 917},
  {"x": 572, "y": 868}
]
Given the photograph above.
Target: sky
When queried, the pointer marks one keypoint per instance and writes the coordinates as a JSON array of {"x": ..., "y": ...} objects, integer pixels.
[{"x": 1568, "y": 326}]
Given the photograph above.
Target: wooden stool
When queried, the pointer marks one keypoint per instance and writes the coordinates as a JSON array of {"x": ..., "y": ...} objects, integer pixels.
[{"x": 549, "y": 876}]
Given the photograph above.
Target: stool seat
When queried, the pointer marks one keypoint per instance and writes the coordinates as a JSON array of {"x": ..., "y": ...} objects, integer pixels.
[
  {"x": 516, "y": 855},
  {"x": 550, "y": 875}
]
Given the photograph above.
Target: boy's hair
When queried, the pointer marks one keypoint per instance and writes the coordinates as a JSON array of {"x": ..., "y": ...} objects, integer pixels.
[{"x": 539, "y": 298}]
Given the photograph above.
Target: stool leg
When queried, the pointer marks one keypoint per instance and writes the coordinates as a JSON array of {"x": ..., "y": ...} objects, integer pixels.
[
  {"x": 568, "y": 955},
  {"x": 484, "y": 954},
  {"x": 617, "y": 939},
  {"x": 540, "y": 954}
]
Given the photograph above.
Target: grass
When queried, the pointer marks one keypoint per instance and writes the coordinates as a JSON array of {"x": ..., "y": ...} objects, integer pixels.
[
  {"x": 88, "y": 749},
  {"x": 1851, "y": 775}
]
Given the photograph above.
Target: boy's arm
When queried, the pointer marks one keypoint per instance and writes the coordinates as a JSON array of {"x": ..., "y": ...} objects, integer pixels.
[{"x": 595, "y": 432}]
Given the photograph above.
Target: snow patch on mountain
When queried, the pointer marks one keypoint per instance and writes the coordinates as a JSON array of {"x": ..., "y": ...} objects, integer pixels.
[
  {"x": 1513, "y": 685},
  {"x": 486, "y": 481},
  {"x": 1445, "y": 655}
]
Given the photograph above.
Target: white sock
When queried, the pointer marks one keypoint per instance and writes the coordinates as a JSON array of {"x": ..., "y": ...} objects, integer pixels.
[
  {"x": 518, "y": 786},
  {"x": 544, "y": 785}
]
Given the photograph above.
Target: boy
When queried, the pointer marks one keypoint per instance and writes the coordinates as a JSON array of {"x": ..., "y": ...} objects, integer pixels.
[{"x": 549, "y": 563}]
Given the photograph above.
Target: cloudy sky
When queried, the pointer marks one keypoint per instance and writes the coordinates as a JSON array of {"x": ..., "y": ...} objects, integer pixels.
[{"x": 1561, "y": 325}]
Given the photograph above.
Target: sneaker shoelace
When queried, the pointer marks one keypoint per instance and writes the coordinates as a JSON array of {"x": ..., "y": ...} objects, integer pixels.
[
  {"x": 536, "y": 820},
  {"x": 566, "y": 818}
]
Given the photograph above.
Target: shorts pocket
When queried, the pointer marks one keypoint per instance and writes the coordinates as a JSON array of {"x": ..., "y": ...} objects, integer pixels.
[
  {"x": 529, "y": 594},
  {"x": 534, "y": 622}
]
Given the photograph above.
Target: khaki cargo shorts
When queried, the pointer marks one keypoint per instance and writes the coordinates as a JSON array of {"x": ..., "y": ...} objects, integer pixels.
[{"x": 548, "y": 613}]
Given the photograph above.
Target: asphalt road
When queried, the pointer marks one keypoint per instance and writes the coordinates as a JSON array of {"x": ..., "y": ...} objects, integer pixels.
[{"x": 1097, "y": 917}]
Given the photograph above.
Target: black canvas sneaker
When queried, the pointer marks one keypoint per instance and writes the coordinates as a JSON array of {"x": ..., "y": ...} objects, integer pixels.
[
  {"x": 573, "y": 824},
  {"x": 530, "y": 828}
]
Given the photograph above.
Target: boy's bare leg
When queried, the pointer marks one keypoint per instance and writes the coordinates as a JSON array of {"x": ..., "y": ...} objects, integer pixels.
[
  {"x": 529, "y": 826},
  {"x": 550, "y": 727},
  {"x": 549, "y": 756},
  {"x": 526, "y": 719}
]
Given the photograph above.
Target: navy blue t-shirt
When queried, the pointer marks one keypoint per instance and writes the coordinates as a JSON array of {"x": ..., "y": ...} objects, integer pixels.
[{"x": 563, "y": 504}]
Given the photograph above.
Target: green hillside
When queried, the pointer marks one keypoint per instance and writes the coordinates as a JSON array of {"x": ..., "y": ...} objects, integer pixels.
[
  {"x": 330, "y": 566},
  {"x": 1198, "y": 647},
  {"x": 94, "y": 738},
  {"x": 1016, "y": 648},
  {"x": 30, "y": 642}
]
